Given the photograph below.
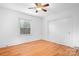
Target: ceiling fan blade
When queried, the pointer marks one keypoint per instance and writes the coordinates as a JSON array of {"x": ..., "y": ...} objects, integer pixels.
[
  {"x": 36, "y": 11},
  {"x": 31, "y": 8},
  {"x": 45, "y": 5},
  {"x": 44, "y": 10},
  {"x": 36, "y": 4}
]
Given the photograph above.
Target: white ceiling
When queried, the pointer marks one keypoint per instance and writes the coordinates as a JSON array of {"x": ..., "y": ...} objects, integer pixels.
[{"x": 53, "y": 8}]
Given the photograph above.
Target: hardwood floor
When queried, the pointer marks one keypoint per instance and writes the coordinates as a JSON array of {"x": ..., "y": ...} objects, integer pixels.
[{"x": 38, "y": 48}]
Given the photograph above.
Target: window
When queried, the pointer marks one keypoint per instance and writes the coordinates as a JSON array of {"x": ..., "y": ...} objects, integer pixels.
[{"x": 25, "y": 27}]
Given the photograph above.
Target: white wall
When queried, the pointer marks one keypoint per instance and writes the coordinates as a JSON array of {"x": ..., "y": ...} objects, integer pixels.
[
  {"x": 10, "y": 31},
  {"x": 74, "y": 35},
  {"x": 10, "y": 34}
]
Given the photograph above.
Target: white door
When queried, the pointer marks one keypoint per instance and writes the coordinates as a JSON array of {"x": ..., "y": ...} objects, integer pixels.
[{"x": 60, "y": 31}]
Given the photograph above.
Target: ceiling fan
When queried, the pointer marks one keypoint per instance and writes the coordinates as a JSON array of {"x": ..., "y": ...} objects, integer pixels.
[{"x": 40, "y": 6}]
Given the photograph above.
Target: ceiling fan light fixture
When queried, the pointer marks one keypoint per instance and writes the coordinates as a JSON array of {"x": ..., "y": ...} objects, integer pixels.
[{"x": 39, "y": 9}]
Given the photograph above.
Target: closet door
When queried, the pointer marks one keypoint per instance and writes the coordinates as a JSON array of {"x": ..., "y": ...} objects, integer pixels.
[{"x": 60, "y": 31}]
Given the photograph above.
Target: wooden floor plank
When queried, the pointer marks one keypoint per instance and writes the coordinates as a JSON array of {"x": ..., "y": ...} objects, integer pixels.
[{"x": 38, "y": 48}]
